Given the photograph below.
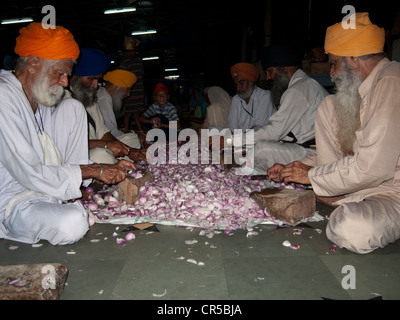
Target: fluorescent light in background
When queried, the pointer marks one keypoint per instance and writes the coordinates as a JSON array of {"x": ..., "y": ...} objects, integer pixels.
[
  {"x": 18, "y": 20},
  {"x": 171, "y": 69},
  {"x": 119, "y": 10},
  {"x": 151, "y": 58},
  {"x": 172, "y": 77},
  {"x": 138, "y": 33}
]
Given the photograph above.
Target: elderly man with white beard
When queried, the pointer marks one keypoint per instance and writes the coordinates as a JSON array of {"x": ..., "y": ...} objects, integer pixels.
[
  {"x": 356, "y": 167},
  {"x": 44, "y": 160},
  {"x": 117, "y": 87}
]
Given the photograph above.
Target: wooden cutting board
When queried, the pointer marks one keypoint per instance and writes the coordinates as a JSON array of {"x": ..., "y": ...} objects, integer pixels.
[
  {"x": 128, "y": 189},
  {"x": 43, "y": 281}
]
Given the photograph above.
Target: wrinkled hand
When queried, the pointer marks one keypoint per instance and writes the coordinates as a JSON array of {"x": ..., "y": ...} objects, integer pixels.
[
  {"x": 115, "y": 173},
  {"x": 118, "y": 148},
  {"x": 137, "y": 155},
  {"x": 274, "y": 173},
  {"x": 296, "y": 172}
]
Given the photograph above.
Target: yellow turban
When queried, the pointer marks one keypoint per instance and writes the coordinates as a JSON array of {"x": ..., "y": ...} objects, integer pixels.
[
  {"x": 246, "y": 71},
  {"x": 366, "y": 38},
  {"x": 54, "y": 44},
  {"x": 121, "y": 78}
]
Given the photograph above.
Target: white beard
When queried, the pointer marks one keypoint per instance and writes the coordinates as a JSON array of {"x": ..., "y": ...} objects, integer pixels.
[
  {"x": 45, "y": 94},
  {"x": 347, "y": 109},
  {"x": 117, "y": 99}
]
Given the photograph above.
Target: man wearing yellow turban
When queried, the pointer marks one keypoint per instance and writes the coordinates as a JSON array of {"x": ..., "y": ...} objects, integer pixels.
[
  {"x": 118, "y": 84},
  {"x": 251, "y": 106},
  {"x": 44, "y": 159},
  {"x": 356, "y": 167}
]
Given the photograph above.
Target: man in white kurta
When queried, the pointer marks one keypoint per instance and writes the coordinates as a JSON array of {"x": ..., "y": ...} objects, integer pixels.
[
  {"x": 366, "y": 179},
  {"x": 251, "y": 106},
  {"x": 44, "y": 158},
  {"x": 290, "y": 131},
  {"x": 22, "y": 169},
  {"x": 117, "y": 87}
]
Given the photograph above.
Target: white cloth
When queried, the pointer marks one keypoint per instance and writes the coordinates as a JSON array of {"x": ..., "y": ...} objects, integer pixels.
[
  {"x": 257, "y": 112},
  {"x": 218, "y": 110},
  {"x": 22, "y": 167},
  {"x": 104, "y": 101},
  {"x": 296, "y": 114},
  {"x": 101, "y": 155}
]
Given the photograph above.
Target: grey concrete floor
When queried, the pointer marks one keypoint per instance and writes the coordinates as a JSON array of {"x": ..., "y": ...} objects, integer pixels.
[{"x": 233, "y": 266}]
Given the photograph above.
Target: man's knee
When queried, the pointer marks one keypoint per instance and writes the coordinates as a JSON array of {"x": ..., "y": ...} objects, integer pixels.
[
  {"x": 349, "y": 228},
  {"x": 72, "y": 226}
]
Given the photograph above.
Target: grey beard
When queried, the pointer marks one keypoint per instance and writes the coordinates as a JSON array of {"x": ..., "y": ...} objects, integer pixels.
[
  {"x": 246, "y": 94},
  {"x": 86, "y": 95},
  {"x": 280, "y": 85},
  {"x": 347, "y": 109}
]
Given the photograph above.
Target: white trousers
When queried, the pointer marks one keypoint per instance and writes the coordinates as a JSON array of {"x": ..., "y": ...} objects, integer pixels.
[
  {"x": 364, "y": 226},
  {"x": 44, "y": 217},
  {"x": 268, "y": 153}
]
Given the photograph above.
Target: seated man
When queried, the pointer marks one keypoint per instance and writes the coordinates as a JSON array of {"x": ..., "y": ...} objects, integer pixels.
[
  {"x": 117, "y": 87},
  {"x": 290, "y": 130},
  {"x": 104, "y": 147},
  {"x": 357, "y": 163},
  {"x": 251, "y": 106},
  {"x": 44, "y": 159}
]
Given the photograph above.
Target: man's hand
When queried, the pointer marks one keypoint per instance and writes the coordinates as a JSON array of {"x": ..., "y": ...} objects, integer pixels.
[
  {"x": 296, "y": 172},
  {"x": 118, "y": 148},
  {"x": 274, "y": 173},
  {"x": 115, "y": 173},
  {"x": 137, "y": 155}
]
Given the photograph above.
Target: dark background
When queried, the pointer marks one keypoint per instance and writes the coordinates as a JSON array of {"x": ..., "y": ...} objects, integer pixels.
[{"x": 203, "y": 39}]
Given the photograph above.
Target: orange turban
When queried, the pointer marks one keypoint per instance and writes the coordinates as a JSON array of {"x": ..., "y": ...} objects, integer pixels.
[
  {"x": 366, "y": 38},
  {"x": 246, "y": 71},
  {"x": 54, "y": 44},
  {"x": 121, "y": 78}
]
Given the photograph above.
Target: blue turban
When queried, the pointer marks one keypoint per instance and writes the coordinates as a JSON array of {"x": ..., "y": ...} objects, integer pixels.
[{"x": 91, "y": 62}]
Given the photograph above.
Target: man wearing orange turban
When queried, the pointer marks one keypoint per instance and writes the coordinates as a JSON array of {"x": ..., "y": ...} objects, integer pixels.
[
  {"x": 44, "y": 149},
  {"x": 251, "y": 106},
  {"x": 54, "y": 44},
  {"x": 356, "y": 168}
]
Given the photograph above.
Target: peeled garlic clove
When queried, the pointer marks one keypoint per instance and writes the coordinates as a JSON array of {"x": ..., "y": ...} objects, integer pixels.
[{"x": 286, "y": 243}]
